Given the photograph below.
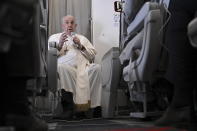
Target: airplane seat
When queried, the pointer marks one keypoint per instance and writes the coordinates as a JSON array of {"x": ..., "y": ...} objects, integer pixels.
[
  {"x": 138, "y": 22},
  {"x": 133, "y": 29},
  {"x": 110, "y": 71},
  {"x": 130, "y": 9},
  {"x": 52, "y": 69},
  {"x": 52, "y": 98},
  {"x": 150, "y": 48},
  {"x": 142, "y": 57},
  {"x": 139, "y": 73},
  {"x": 53, "y": 77},
  {"x": 134, "y": 12}
]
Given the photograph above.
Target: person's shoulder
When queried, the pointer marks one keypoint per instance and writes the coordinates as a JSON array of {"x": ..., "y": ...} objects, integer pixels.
[
  {"x": 81, "y": 36},
  {"x": 55, "y": 35}
]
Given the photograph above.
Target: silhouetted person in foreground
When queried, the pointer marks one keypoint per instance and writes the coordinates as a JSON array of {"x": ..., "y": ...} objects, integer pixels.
[
  {"x": 182, "y": 64},
  {"x": 17, "y": 64}
]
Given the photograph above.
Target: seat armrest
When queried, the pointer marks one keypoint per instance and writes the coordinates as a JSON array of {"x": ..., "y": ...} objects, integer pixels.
[
  {"x": 134, "y": 44},
  {"x": 52, "y": 69}
]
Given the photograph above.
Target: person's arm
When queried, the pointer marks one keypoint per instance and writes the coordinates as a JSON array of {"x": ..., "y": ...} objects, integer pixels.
[
  {"x": 86, "y": 48},
  {"x": 77, "y": 43},
  {"x": 63, "y": 38}
]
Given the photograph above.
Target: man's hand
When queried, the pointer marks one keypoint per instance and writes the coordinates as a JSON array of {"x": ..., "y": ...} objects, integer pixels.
[
  {"x": 77, "y": 41},
  {"x": 63, "y": 38}
]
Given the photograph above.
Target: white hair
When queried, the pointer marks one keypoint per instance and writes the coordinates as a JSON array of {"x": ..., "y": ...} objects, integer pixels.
[{"x": 68, "y": 16}]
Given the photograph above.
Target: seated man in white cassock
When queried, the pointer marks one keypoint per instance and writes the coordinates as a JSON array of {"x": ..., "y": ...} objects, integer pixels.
[{"x": 79, "y": 78}]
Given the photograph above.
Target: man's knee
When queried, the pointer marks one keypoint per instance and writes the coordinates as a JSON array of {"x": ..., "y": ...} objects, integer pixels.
[{"x": 64, "y": 68}]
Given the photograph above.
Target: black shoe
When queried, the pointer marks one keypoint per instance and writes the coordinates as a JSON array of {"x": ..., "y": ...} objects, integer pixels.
[
  {"x": 66, "y": 115},
  {"x": 97, "y": 112},
  {"x": 80, "y": 115},
  {"x": 193, "y": 126},
  {"x": 26, "y": 123},
  {"x": 67, "y": 106},
  {"x": 174, "y": 117}
]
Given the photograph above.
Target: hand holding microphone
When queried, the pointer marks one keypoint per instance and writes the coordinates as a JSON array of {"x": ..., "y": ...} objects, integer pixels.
[
  {"x": 77, "y": 42},
  {"x": 75, "y": 39}
]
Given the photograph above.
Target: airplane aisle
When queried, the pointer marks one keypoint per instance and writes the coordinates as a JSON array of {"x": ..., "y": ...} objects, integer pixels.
[{"x": 107, "y": 125}]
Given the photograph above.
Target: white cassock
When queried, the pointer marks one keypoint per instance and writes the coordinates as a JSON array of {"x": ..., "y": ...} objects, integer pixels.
[{"x": 77, "y": 75}]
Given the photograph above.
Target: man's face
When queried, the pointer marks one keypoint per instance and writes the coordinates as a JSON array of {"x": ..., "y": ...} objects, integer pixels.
[{"x": 69, "y": 24}]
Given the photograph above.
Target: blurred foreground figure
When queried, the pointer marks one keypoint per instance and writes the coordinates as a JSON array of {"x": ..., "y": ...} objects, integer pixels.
[
  {"x": 182, "y": 64},
  {"x": 18, "y": 63}
]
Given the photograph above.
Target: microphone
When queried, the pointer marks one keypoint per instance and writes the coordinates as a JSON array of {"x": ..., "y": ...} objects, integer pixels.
[{"x": 73, "y": 34}]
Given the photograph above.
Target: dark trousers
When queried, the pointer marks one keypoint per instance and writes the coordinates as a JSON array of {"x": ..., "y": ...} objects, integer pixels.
[
  {"x": 13, "y": 95},
  {"x": 182, "y": 56}
]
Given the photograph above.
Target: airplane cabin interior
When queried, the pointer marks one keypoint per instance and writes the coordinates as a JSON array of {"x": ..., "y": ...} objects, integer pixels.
[{"x": 129, "y": 37}]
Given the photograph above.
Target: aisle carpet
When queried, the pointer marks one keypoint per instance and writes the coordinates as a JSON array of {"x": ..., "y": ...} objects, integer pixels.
[
  {"x": 107, "y": 125},
  {"x": 150, "y": 129}
]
